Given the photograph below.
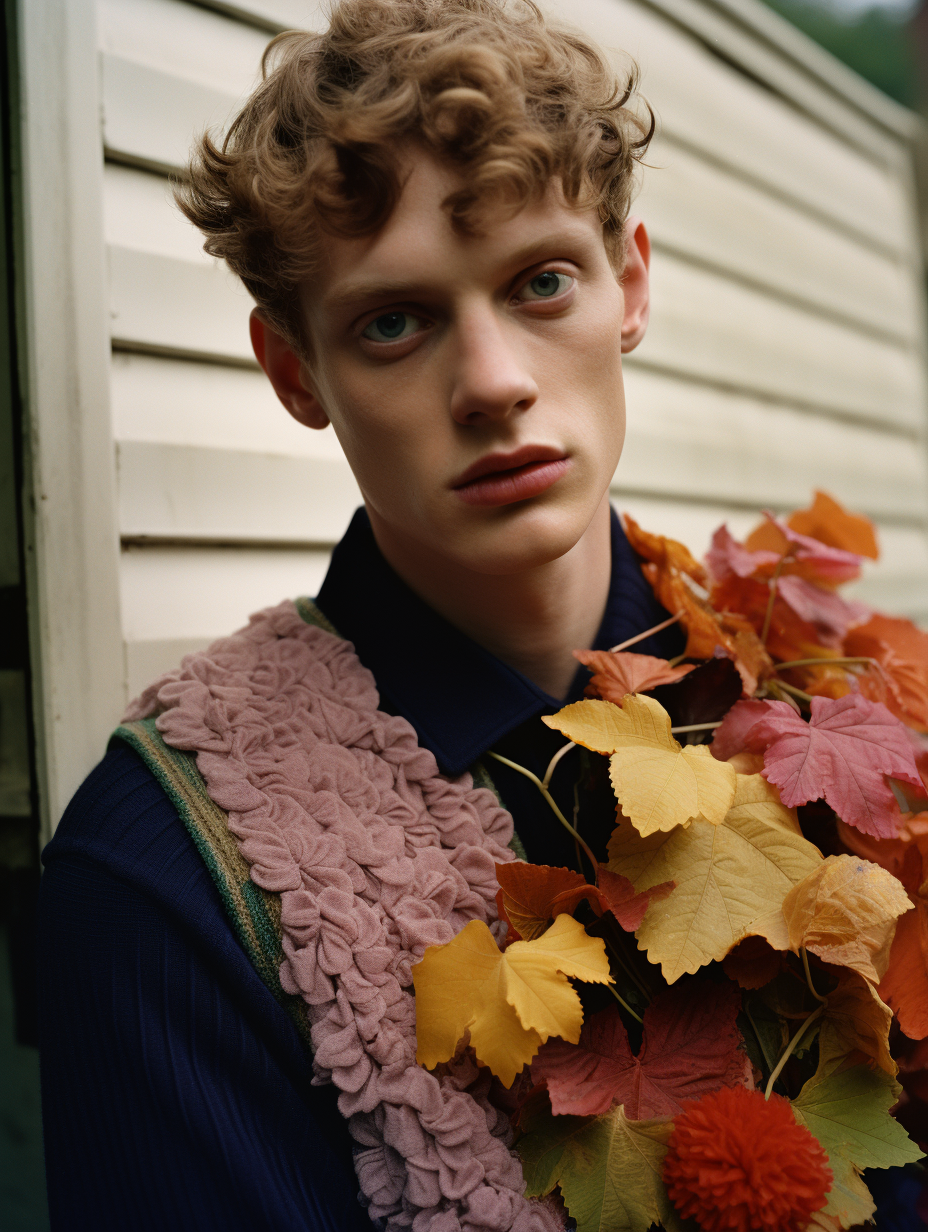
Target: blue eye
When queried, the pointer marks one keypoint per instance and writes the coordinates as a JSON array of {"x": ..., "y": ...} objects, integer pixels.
[
  {"x": 392, "y": 326},
  {"x": 546, "y": 285}
]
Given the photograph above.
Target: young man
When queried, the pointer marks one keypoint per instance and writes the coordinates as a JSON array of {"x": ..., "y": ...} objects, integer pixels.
[{"x": 429, "y": 206}]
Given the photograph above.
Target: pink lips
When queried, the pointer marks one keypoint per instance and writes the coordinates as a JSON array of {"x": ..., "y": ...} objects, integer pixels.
[{"x": 502, "y": 479}]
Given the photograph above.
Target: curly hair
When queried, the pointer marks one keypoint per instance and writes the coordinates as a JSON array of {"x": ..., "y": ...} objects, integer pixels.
[{"x": 488, "y": 87}]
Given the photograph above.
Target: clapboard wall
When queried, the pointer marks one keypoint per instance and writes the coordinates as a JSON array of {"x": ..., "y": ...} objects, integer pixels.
[{"x": 786, "y": 347}]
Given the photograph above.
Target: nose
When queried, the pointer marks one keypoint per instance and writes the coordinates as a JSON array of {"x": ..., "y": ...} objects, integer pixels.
[{"x": 491, "y": 381}]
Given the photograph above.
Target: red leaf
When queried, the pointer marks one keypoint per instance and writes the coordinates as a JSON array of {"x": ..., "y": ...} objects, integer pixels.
[
  {"x": 617, "y": 894},
  {"x": 735, "y": 734},
  {"x": 616, "y": 673},
  {"x": 691, "y": 1046},
  {"x": 843, "y": 753},
  {"x": 531, "y": 895}
]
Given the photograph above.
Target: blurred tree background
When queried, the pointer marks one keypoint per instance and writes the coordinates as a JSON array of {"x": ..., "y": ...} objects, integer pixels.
[{"x": 876, "y": 40}]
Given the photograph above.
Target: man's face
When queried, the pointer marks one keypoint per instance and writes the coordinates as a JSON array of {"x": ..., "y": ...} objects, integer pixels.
[{"x": 474, "y": 381}]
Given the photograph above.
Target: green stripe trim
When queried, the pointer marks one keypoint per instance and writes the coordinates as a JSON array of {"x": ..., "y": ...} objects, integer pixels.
[{"x": 255, "y": 913}]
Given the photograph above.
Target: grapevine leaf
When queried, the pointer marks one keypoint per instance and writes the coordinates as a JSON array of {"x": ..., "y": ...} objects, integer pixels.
[
  {"x": 609, "y": 1169},
  {"x": 511, "y": 1001},
  {"x": 855, "y": 1020},
  {"x": 845, "y": 912},
  {"x": 691, "y": 1046},
  {"x": 831, "y": 524},
  {"x": 704, "y": 696},
  {"x": 533, "y": 894},
  {"x": 731, "y": 879},
  {"x": 843, "y": 753},
  {"x": 616, "y": 673},
  {"x": 849, "y": 1114},
  {"x": 658, "y": 784}
]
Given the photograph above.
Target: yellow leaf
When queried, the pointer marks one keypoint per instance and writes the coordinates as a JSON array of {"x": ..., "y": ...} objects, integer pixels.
[
  {"x": 511, "y": 1001},
  {"x": 658, "y": 784},
  {"x": 729, "y": 877},
  {"x": 845, "y": 912},
  {"x": 855, "y": 1020}
]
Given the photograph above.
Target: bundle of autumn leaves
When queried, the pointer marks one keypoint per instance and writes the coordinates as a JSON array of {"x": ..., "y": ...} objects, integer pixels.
[{"x": 784, "y": 862}]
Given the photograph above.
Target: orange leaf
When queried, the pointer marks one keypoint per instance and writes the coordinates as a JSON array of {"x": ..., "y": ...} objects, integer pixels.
[
  {"x": 830, "y": 523},
  {"x": 616, "y": 673},
  {"x": 901, "y": 649},
  {"x": 670, "y": 568},
  {"x": 532, "y": 895}
]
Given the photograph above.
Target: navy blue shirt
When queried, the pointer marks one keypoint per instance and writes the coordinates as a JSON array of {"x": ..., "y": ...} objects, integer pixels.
[{"x": 176, "y": 1092}]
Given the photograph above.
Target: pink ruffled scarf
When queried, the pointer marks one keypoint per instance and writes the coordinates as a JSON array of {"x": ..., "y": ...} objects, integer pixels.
[{"x": 375, "y": 856}]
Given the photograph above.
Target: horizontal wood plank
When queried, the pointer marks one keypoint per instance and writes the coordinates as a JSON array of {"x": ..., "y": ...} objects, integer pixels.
[
  {"x": 179, "y": 402},
  {"x": 702, "y": 211},
  {"x": 205, "y": 593},
  {"x": 152, "y": 117},
  {"x": 185, "y": 40},
  {"x": 178, "y": 491},
  {"x": 185, "y": 306},
  {"x": 710, "y": 329},
  {"x": 704, "y": 444}
]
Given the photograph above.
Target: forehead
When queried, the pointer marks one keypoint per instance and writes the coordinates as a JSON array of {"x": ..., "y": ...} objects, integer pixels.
[{"x": 418, "y": 243}]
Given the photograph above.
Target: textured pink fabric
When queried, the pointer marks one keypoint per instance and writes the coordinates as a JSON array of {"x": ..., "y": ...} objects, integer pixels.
[{"x": 375, "y": 856}]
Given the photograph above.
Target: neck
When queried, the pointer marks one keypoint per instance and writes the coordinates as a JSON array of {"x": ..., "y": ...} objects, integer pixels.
[{"x": 533, "y": 620}]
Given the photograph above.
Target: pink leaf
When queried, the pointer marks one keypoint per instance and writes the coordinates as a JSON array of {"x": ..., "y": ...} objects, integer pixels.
[
  {"x": 727, "y": 556},
  {"x": 736, "y": 735},
  {"x": 831, "y": 564},
  {"x": 843, "y": 753},
  {"x": 691, "y": 1046},
  {"x": 830, "y": 614}
]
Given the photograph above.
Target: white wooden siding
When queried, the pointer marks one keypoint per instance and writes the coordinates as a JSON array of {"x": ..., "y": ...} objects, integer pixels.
[{"x": 786, "y": 348}]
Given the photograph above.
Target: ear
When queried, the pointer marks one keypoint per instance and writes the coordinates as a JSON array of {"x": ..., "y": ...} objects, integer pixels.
[
  {"x": 287, "y": 373},
  {"x": 635, "y": 284}
]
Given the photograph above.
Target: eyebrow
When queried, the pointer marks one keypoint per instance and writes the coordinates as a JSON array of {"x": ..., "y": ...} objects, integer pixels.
[{"x": 400, "y": 289}]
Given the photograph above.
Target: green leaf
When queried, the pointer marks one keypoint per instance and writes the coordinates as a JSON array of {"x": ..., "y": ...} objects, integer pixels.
[
  {"x": 849, "y": 1114},
  {"x": 609, "y": 1169}
]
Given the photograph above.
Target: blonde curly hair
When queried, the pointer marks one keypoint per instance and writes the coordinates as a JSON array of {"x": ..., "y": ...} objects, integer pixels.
[{"x": 489, "y": 87}]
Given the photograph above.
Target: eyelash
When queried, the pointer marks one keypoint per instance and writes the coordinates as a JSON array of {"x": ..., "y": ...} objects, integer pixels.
[{"x": 411, "y": 316}]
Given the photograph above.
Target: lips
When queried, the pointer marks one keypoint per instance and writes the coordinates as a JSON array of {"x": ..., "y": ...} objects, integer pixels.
[{"x": 502, "y": 479}]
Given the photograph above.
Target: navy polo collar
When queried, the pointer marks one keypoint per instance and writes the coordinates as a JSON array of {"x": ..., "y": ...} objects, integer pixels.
[{"x": 460, "y": 698}]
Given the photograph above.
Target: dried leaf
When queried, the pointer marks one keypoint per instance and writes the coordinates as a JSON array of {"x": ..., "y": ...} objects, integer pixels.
[
  {"x": 855, "y": 1020},
  {"x": 904, "y": 987},
  {"x": 806, "y": 557},
  {"x": 671, "y": 569},
  {"x": 845, "y": 912},
  {"x": 843, "y": 754},
  {"x": 731, "y": 879},
  {"x": 616, "y": 673},
  {"x": 691, "y": 1046},
  {"x": 510, "y": 1002},
  {"x": 901, "y": 649},
  {"x": 658, "y": 784},
  {"x": 849, "y": 1114},
  {"x": 830, "y": 523},
  {"x": 609, "y": 1169},
  {"x": 534, "y": 894}
]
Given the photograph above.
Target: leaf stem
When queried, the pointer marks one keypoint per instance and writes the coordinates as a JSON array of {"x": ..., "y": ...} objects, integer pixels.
[
  {"x": 842, "y": 662},
  {"x": 688, "y": 727},
  {"x": 514, "y": 765},
  {"x": 791, "y": 1048},
  {"x": 772, "y": 584},
  {"x": 793, "y": 691},
  {"x": 805, "y": 964},
  {"x": 639, "y": 637},
  {"x": 552, "y": 764},
  {"x": 624, "y": 1004}
]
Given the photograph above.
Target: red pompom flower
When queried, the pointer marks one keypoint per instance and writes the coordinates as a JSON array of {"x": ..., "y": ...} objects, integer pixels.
[{"x": 739, "y": 1163}]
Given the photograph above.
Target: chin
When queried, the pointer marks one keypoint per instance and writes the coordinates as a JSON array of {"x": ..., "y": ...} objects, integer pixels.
[{"x": 521, "y": 538}]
